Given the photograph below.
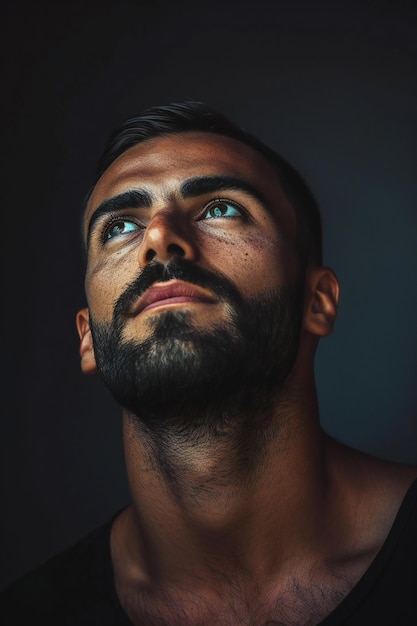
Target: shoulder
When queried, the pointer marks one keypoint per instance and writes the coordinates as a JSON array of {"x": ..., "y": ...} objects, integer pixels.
[
  {"x": 374, "y": 474},
  {"x": 76, "y": 582},
  {"x": 373, "y": 490}
]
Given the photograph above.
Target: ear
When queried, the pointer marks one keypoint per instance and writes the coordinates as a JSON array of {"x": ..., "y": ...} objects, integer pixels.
[
  {"x": 88, "y": 362},
  {"x": 322, "y": 296}
]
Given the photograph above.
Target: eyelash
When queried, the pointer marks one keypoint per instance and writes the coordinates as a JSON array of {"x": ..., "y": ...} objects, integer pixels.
[
  {"x": 114, "y": 218},
  {"x": 232, "y": 203}
]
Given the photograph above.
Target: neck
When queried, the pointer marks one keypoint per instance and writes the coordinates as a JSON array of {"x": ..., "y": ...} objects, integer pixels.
[{"x": 240, "y": 497}]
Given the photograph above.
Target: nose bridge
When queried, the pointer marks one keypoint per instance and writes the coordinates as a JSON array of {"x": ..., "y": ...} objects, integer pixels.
[{"x": 167, "y": 235}]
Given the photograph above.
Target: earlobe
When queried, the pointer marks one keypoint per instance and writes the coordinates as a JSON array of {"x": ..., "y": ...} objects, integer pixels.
[
  {"x": 322, "y": 296},
  {"x": 88, "y": 362}
]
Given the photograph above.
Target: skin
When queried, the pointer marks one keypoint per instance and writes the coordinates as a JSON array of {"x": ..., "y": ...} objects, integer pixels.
[{"x": 289, "y": 543}]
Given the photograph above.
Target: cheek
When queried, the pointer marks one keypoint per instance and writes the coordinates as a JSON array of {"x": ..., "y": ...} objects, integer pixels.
[
  {"x": 254, "y": 263},
  {"x": 103, "y": 285}
]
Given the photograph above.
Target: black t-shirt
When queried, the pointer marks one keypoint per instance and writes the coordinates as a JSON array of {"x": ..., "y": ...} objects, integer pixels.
[{"x": 75, "y": 588}]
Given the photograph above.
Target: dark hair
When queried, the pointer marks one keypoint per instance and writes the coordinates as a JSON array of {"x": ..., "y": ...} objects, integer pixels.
[{"x": 189, "y": 116}]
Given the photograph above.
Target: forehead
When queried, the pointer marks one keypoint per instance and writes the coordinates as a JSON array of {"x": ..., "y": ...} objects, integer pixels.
[{"x": 161, "y": 164}]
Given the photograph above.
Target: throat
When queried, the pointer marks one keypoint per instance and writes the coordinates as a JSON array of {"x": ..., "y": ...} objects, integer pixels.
[{"x": 208, "y": 458}]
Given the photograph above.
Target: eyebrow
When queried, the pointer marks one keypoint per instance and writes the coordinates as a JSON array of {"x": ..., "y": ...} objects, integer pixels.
[
  {"x": 194, "y": 187},
  {"x": 133, "y": 199},
  {"x": 207, "y": 184}
]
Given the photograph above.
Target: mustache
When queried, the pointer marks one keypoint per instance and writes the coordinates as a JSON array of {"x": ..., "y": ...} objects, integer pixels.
[{"x": 177, "y": 268}]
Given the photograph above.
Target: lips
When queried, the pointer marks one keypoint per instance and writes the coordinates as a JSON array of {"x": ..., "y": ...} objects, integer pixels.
[{"x": 173, "y": 292}]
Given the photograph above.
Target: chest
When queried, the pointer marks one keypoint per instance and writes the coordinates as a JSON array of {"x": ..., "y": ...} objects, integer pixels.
[{"x": 298, "y": 604}]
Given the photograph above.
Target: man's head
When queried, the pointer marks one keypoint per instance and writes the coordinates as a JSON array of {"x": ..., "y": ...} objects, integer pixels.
[{"x": 197, "y": 276}]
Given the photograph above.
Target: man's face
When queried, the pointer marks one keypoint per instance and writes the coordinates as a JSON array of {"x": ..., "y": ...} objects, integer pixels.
[{"x": 191, "y": 256}]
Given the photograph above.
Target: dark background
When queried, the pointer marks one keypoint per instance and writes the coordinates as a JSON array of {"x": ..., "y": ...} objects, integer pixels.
[{"x": 331, "y": 85}]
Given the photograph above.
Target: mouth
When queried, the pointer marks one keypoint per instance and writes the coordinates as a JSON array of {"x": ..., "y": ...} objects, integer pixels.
[{"x": 172, "y": 293}]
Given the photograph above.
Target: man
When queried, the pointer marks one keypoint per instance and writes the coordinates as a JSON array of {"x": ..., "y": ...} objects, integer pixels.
[{"x": 207, "y": 297}]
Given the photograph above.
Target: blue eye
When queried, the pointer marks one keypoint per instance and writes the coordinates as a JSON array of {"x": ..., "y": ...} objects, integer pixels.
[
  {"x": 222, "y": 208},
  {"x": 120, "y": 227}
]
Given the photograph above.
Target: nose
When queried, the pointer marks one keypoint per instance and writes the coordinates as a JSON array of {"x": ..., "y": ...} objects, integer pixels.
[{"x": 167, "y": 235}]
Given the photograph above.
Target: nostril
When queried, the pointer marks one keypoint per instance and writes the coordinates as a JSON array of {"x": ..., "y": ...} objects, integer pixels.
[
  {"x": 175, "y": 249},
  {"x": 150, "y": 255},
  {"x": 163, "y": 253}
]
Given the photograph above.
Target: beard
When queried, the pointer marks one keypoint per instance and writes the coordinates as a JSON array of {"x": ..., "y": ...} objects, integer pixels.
[{"x": 186, "y": 378}]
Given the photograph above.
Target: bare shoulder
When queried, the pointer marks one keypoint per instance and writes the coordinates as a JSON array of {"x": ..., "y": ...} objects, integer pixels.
[
  {"x": 382, "y": 477},
  {"x": 371, "y": 490}
]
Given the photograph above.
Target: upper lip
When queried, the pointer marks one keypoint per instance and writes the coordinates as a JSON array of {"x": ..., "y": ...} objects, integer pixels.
[{"x": 172, "y": 289}]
